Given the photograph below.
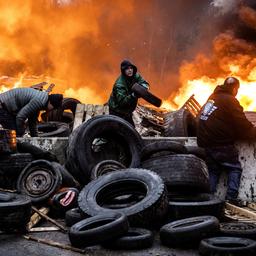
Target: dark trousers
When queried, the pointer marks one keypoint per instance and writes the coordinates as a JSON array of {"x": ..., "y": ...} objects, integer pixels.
[
  {"x": 127, "y": 116},
  {"x": 7, "y": 120},
  {"x": 224, "y": 159}
]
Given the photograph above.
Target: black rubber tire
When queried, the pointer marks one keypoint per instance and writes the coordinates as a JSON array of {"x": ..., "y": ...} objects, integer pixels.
[
  {"x": 155, "y": 147},
  {"x": 187, "y": 233},
  {"x": 53, "y": 129},
  {"x": 14, "y": 213},
  {"x": 105, "y": 167},
  {"x": 186, "y": 206},
  {"x": 70, "y": 103},
  {"x": 121, "y": 135},
  {"x": 59, "y": 114},
  {"x": 67, "y": 179},
  {"x": 149, "y": 211},
  {"x": 179, "y": 123},
  {"x": 135, "y": 239},
  {"x": 146, "y": 95},
  {"x": 238, "y": 229},
  {"x": 45, "y": 179},
  {"x": 98, "y": 229},
  {"x": 227, "y": 246},
  {"x": 73, "y": 216},
  {"x": 14, "y": 163},
  {"x": 180, "y": 172},
  {"x": 197, "y": 151}
]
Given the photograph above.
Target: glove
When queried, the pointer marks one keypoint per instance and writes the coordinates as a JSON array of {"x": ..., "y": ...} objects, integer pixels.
[{"x": 145, "y": 86}]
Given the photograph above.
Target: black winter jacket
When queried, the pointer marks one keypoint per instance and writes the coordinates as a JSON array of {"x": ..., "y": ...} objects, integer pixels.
[{"x": 222, "y": 121}]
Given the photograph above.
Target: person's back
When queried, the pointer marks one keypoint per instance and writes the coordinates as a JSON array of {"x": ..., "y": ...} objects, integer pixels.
[
  {"x": 17, "y": 98},
  {"x": 221, "y": 122}
]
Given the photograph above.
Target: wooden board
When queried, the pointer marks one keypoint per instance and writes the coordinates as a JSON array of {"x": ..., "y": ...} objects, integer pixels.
[
  {"x": 240, "y": 213},
  {"x": 84, "y": 112}
]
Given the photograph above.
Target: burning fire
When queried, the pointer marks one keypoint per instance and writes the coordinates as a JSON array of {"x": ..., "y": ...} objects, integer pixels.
[{"x": 73, "y": 44}]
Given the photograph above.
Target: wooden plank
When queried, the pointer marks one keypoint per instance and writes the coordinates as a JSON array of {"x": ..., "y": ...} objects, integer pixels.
[
  {"x": 89, "y": 112},
  {"x": 79, "y": 115},
  {"x": 105, "y": 110},
  {"x": 35, "y": 218},
  {"x": 252, "y": 206},
  {"x": 98, "y": 110},
  {"x": 44, "y": 229},
  {"x": 244, "y": 212}
]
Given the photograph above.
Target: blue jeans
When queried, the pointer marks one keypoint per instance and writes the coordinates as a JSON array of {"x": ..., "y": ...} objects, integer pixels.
[{"x": 224, "y": 159}]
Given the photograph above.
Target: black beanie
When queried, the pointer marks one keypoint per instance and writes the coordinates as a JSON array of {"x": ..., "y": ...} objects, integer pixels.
[{"x": 56, "y": 100}]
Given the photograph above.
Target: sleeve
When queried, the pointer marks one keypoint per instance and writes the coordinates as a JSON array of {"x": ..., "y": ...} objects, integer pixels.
[
  {"x": 244, "y": 129},
  {"x": 142, "y": 81},
  {"x": 123, "y": 97},
  {"x": 29, "y": 111}
]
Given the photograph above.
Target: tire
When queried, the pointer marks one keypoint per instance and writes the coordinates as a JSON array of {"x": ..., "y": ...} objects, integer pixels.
[
  {"x": 135, "y": 239},
  {"x": 59, "y": 114},
  {"x": 146, "y": 95},
  {"x": 180, "y": 172},
  {"x": 149, "y": 211},
  {"x": 186, "y": 206},
  {"x": 187, "y": 233},
  {"x": 73, "y": 216},
  {"x": 98, "y": 229},
  {"x": 15, "y": 212},
  {"x": 13, "y": 164},
  {"x": 227, "y": 246},
  {"x": 53, "y": 129},
  {"x": 197, "y": 151},
  {"x": 39, "y": 180},
  {"x": 238, "y": 229},
  {"x": 67, "y": 179},
  {"x": 179, "y": 123},
  {"x": 105, "y": 167},
  {"x": 159, "y": 146},
  {"x": 123, "y": 145}
]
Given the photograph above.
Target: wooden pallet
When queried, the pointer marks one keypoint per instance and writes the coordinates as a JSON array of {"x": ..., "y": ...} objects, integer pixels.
[
  {"x": 192, "y": 105},
  {"x": 86, "y": 111},
  {"x": 244, "y": 214}
]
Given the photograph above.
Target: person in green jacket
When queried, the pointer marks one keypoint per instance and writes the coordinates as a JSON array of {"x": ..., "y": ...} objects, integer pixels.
[{"x": 123, "y": 100}]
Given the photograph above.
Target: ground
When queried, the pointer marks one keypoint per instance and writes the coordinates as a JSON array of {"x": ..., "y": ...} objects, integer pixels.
[{"x": 14, "y": 245}]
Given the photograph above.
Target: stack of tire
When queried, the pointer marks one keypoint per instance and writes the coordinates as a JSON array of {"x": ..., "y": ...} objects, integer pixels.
[
  {"x": 15, "y": 212},
  {"x": 211, "y": 237},
  {"x": 59, "y": 122},
  {"x": 186, "y": 178},
  {"x": 118, "y": 209},
  {"x": 102, "y": 138}
]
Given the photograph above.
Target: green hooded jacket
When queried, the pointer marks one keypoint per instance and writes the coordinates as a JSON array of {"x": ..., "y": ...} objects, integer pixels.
[{"x": 122, "y": 99}]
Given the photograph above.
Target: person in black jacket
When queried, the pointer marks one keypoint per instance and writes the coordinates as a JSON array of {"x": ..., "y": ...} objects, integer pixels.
[{"x": 221, "y": 122}]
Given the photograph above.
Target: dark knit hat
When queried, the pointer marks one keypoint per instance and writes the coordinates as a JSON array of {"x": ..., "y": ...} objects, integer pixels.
[
  {"x": 56, "y": 100},
  {"x": 125, "y": 64}
]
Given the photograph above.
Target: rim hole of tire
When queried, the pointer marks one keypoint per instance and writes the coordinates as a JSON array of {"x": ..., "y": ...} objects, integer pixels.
[
  {"x": 108, "y": 196},
  {"x": 229, "y": 245},
  {"x": 107, "y": 147}
]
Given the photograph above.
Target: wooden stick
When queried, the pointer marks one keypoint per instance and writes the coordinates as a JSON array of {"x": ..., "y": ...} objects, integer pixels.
[
  {"x": 50, "y": 219},
  {"x": 55, "y": 244},
  {"x": 44, "y": 229},
  {"x": 35, "y": 218}
]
